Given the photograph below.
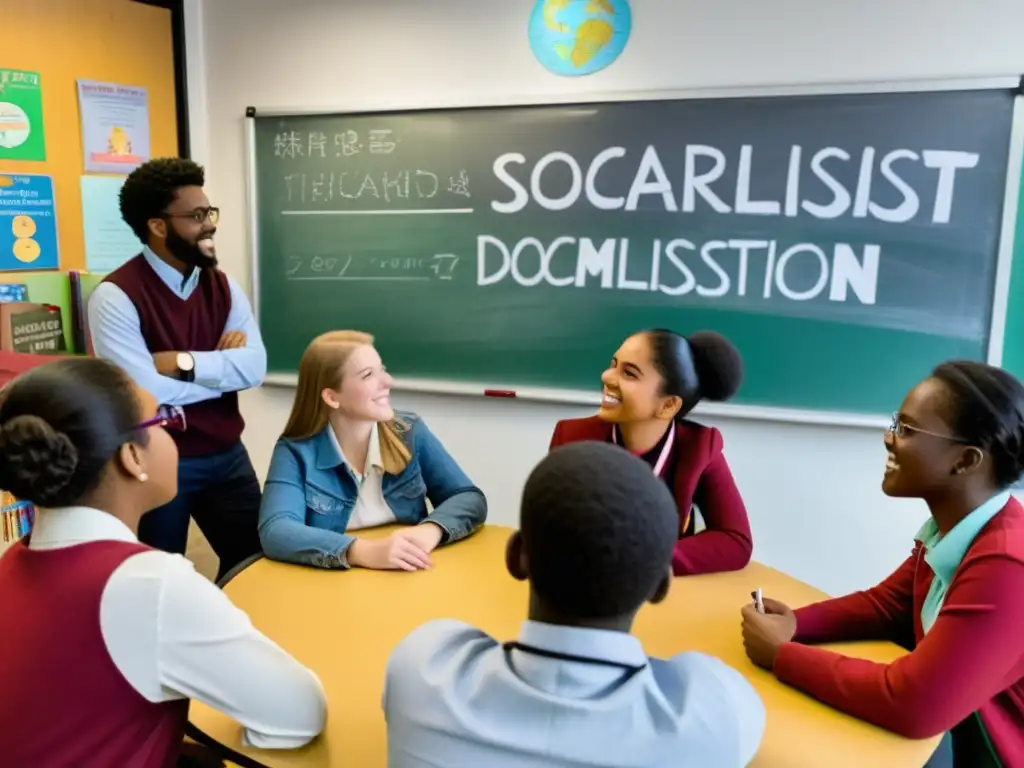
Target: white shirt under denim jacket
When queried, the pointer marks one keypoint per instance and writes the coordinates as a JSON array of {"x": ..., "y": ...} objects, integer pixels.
[{"x": 313, "y": 497}]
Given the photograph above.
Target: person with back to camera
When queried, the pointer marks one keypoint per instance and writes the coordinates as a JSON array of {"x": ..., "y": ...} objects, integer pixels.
[
  {"x": 576, "y": 688},
  {"x": 655, "y": 379},
  {"x": 105, "y": 639},
  {"x": 347, "y": 462},
  {"x": 957, "y": 602}
]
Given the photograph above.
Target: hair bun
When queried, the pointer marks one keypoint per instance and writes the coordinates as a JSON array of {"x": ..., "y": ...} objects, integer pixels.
[
  {"x": 36, "y": 461},
  {"x": 718, "y": 363}
]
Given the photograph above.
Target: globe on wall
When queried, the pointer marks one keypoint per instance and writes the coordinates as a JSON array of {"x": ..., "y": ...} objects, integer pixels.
[{"x": 579, "y": 37}]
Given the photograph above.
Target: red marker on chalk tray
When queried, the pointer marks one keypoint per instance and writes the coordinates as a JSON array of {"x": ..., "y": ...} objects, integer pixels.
[{"x": 499, "y": 393}]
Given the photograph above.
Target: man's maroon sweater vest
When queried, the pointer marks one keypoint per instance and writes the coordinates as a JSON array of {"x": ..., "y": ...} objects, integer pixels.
[{"x": 169, "y": 323}]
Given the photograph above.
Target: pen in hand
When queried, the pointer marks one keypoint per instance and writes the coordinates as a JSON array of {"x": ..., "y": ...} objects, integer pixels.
[{"x": 758, "y": 602}]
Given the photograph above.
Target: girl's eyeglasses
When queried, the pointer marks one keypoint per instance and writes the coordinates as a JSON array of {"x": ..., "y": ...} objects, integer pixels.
[
  {"x": 900, "y": 428},
  {"x": 167, "y": 416}
]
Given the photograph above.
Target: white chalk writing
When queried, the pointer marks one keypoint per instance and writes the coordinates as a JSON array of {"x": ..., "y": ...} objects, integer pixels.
[
  {"x": 288, "y": 145},
  {"x": 705, "y": 166},
  {"x": 350, "y": 266},
  {"x": 758, "y": 266},
  {"x": 387, "y": 186},
  {"x": 797, "y": 271},
  {"x": 317, "y": 144},
  {"x": 382, "y": 142},
  {"x": 459, "y": 184},
  {"x": 347, "y": 144}
]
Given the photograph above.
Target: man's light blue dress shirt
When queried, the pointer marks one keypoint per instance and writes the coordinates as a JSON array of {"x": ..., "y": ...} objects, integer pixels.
[{"x": 117, "y": 336}]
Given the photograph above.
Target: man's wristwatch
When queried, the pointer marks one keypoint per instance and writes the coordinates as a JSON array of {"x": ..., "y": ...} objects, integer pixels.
[{"x": 186, "y": 367}]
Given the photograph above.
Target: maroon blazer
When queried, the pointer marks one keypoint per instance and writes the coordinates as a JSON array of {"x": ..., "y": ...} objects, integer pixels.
[
  {"x": 702, "y": 478},
  {"x": 970, "y": 662}
]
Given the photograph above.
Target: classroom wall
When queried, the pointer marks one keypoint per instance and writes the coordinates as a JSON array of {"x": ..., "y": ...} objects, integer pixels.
[
  {"x": 812, "y": 491},
  {"x": 66, "y": 40}
]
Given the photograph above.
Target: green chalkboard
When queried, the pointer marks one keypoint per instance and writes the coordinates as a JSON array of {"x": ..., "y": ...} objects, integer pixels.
[
  {"x": 845, "y": 243},
  {"x": 1013, "y": 336}
]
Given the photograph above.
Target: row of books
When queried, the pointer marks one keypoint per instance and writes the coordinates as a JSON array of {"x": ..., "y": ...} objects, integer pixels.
[{"x": 16, "y": 517}]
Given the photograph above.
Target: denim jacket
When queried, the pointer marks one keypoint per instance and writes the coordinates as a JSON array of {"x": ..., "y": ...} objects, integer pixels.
[{"x": 310, "y": 493}]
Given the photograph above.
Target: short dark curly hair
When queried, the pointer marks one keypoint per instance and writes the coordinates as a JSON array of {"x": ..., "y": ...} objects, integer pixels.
[
  {"x": 151, "y": 187},
  {"x": 598, "y": 529}
]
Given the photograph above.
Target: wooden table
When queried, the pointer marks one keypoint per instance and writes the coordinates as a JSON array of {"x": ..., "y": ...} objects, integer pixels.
[{"x": 343, "y": 625}]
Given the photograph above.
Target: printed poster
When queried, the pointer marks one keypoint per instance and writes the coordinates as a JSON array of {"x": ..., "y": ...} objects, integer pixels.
[
  {"x": 115, "y": 126},
  {"x": 21, "y": 116},
  {"x": 28, "y": 223},
  {"x": 109, "y": 242}
]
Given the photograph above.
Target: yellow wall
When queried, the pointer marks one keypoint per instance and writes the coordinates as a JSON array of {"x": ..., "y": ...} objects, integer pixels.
[{"x": 64, "y": 40}]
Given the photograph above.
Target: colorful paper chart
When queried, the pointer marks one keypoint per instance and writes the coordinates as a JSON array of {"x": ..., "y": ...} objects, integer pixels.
[
  {"x": 21, "y": 116},
  {"x": 115, "y": 126},
  {"x": 28, "y": 223},
  {"x": 109, "y": 242}
]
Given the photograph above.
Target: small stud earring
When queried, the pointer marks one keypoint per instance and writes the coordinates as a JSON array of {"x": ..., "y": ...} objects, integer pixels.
[{"x": 143, "y": 477}]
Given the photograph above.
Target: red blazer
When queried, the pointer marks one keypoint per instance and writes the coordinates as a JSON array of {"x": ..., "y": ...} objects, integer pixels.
[
  {"x": 13, "y": 364},
  {"x": 703, "y": 478},
  {"x": 972, "y": 659}
]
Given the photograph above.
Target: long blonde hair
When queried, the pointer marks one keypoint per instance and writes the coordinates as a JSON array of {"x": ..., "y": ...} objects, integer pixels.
[{"x": 321, "y": 368}]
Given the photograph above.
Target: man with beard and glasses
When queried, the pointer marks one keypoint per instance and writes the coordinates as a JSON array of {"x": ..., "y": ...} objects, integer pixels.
[{"x": 185, "y": 331}]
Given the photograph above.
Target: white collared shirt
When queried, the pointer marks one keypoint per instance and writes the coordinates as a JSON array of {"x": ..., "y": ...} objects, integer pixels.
[
  {"x": 173, "y": 635},
  {"x": 371, "y": 508},
  {"x": 455, "y": 697}
]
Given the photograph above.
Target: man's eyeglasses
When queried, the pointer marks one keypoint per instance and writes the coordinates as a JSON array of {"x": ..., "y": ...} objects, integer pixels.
[
  {"x": 167, "y": 416},
  {"x": 899, "y": 429},
  {"x": 199, "y": 215}
]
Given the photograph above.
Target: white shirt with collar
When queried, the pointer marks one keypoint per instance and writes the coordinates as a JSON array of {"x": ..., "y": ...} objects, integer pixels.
[
  {"x": 371, "y": 509},
  {"x": 454, "y": 697},
  {"x": 173, "y": 635}
]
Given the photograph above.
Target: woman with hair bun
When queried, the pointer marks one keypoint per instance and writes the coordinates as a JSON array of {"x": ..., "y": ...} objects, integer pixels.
[
  {"x": 957, "y": 603},
  {"x": 653, "y": 382},
  {"x": 104, "y": 639}
]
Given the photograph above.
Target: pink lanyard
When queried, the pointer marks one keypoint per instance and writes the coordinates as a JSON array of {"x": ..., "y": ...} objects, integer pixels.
[{"x": 659, "y": 466}]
